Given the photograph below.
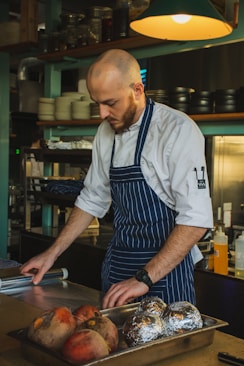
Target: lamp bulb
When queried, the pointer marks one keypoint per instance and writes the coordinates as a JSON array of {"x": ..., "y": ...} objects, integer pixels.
[{"x": 181, "y": 18}]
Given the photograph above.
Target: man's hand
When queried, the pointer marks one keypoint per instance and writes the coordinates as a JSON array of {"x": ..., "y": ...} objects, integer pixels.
[
  {"x": 124, "y": 292},
  {"x": 37, "y": 266}
]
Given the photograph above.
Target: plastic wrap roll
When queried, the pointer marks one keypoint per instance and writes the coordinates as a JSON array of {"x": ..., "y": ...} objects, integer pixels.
[{"x": 20, "y": 281}]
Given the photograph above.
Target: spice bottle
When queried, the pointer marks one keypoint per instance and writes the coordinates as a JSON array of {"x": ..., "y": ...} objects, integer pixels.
[
  {"x": 220, "y": 252},
  {"x": 239, "y": 256}
]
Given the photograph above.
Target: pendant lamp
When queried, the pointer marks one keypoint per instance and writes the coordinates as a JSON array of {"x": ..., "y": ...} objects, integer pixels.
[{"x": 181, "y": 20}]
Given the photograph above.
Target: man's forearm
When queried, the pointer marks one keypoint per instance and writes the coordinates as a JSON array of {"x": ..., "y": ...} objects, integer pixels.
[
  {"x": 176, "y": 247},
  {"x": 78, "y": 221}
]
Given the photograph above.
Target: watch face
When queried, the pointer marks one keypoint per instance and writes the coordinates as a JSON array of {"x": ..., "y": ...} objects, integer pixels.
[{"x": 142, "y": 276}]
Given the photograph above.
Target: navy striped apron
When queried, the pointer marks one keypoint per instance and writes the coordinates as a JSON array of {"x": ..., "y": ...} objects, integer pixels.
[{"x": 142, "y": 223}]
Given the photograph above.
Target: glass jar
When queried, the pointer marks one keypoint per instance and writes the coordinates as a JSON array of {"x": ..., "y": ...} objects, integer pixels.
[
  {"x": 70, "y": 37},
  {"x": 69, "y": 26},
  {"x": 68, "y": 19},
  {"x": 95, "y": 27},
  {"x": 83, "y": 35}
]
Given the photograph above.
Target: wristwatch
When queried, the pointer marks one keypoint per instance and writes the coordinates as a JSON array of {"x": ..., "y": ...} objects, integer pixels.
[{"x": 142, "y": 276}]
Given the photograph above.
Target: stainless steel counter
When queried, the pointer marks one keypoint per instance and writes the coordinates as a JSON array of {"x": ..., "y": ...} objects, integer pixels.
[{"x": 55, "y": 293}]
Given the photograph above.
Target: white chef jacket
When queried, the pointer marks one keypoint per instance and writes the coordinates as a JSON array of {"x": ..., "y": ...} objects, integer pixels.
[{"x": 172, "y": 161}]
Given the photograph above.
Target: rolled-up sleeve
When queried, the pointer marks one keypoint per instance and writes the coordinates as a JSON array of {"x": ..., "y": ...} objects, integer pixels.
[{"x": 95, "y": 197}]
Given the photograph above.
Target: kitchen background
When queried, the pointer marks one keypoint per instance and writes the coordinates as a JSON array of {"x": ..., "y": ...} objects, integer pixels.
[{"x": 207, "y": 69}]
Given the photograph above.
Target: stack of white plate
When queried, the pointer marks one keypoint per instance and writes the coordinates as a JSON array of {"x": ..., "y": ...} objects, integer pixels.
[
  {"x": 63, "y": 105},
  {"x": 80, "y": 109},
  {"x": 94, "y": 110},
  {"x": 46, "y": 109}
]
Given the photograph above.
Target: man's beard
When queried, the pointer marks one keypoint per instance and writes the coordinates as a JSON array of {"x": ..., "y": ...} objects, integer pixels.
[{"x": 128, "y": 117}]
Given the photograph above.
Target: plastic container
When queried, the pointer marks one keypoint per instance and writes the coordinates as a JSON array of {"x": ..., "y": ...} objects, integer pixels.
[
  {"x": 239, "y": 256},
  {"x": 220, "y": 252}
]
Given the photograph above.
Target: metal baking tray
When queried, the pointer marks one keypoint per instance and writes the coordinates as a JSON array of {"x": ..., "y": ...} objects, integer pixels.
[{"x": 141, "y": 355}]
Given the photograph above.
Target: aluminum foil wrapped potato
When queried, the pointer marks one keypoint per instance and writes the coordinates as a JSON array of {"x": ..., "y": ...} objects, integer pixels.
[
  {"x": 155, "y": 319},
  {"x": 142, "y": 327},
  {"x": 182, "y": 316},
  {"x": 152, "y": 305}
]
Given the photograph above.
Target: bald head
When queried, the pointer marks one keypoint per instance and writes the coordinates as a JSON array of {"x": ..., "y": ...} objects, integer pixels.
[
  {"x": 114, "y": 83},
  {"x": 118, "y": 62}
]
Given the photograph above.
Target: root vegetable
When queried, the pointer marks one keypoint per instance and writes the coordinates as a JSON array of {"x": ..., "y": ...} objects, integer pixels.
[
  {"x": 108, "y": 330},
  {"x": 83, "y": 346},
  {"x": 52, "y": 328},
  {"x": 85, "y": 312}
]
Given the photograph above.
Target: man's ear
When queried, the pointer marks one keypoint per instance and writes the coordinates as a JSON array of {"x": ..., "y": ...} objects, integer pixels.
[{"x": 138, "y": 88}]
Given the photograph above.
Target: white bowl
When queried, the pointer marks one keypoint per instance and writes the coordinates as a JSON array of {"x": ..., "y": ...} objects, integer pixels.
[
  {"x": 47, "y": 100},
  {"x": 63, "y": 116},
  {"x": 45, "y": 108},
  {"x": 46, "y": 117}
]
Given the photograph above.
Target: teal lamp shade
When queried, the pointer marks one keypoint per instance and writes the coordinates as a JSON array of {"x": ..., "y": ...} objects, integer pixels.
[{"x": 181, "y": 20}]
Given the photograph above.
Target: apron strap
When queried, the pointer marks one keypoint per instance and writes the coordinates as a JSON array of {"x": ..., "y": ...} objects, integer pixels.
[{"x": 142, "y": 133}]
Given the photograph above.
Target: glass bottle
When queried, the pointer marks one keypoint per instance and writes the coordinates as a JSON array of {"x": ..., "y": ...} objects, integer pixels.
[
  {"x": 121, "y": 19},
  {"x": 107, "y": 24}
]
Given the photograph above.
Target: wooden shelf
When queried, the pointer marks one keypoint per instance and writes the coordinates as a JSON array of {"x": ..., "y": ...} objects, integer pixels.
[
  {"x": 80, "y": 122},
  {"x": 218, "y": 117},
  {"x": 18, "y": 48},
  {"x": 221, "y": 124},
  {"x": 135, "y": 42},
  {"x": 96, "y": 49},
  {"x": 214, "y": 124}
]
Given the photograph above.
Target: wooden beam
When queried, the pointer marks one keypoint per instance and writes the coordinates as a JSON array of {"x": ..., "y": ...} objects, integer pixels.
[{"x": 28, "y": 20}]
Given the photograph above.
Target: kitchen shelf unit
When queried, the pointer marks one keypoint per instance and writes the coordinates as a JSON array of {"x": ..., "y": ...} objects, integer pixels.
[{"x": 34, "y": 187}]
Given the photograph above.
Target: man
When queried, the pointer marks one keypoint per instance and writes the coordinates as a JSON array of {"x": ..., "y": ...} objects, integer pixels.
[{"x": 149, "y": 158}]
